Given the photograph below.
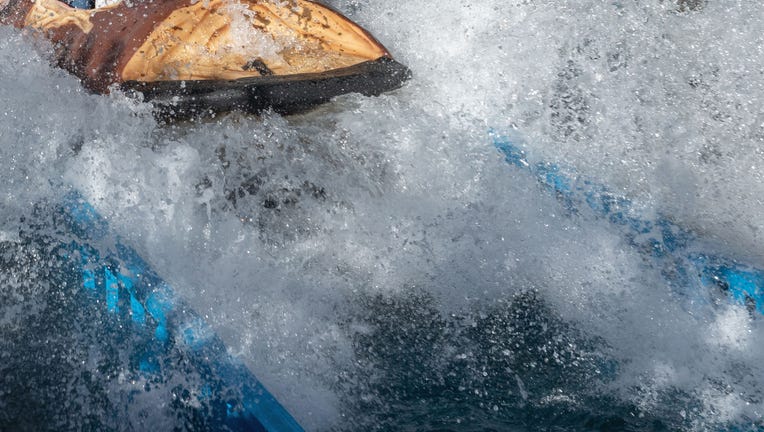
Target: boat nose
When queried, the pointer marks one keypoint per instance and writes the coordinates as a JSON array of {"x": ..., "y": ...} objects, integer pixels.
[
  {"x": 322, "y": 37},
  {"x": 333, "y": 30},
  {"x": 386, "y": 74}
]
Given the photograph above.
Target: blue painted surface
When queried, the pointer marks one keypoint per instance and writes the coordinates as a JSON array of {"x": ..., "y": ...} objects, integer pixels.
[
  {"x": 112, "y": 291},
  {"x": 136, "y": 296},
  {"x": 81, "y": 4},
  {"x": 693, "y": 274}
]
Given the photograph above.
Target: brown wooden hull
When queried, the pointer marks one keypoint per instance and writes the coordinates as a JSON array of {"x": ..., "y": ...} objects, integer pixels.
[{"x": 198, "y": 56}]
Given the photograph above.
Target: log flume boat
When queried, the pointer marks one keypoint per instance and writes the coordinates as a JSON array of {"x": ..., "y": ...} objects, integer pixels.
[{"x": 194, "y": 57}]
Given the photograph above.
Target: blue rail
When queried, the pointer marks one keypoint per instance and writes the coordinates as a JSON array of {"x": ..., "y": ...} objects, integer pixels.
[
  {"x": 678, "y": 251},
  {"x": 134, "y": 295}
]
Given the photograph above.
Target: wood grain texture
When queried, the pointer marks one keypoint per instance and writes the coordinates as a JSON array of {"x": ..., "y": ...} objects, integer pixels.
[{"x": 195, "y": 39}]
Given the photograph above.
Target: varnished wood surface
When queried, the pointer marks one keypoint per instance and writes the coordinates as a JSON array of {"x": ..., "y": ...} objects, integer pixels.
[{"x": 195, "y": 39}]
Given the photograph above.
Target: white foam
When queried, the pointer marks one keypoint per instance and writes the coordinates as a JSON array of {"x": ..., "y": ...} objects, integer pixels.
[{"x": 404, "y": 192}]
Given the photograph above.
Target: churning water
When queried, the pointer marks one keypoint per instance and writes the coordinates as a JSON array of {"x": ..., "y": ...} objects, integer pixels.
[{"x": 376, "y": 262}]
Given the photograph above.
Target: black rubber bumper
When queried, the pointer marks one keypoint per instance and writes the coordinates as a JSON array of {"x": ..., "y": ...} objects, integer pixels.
[{"x": 284, "y": 94}]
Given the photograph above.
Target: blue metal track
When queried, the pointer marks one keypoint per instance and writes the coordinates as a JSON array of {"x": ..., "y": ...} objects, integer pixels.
[
  {"x": 677, "y": 251},
  {"x": 134, "y": 295}
]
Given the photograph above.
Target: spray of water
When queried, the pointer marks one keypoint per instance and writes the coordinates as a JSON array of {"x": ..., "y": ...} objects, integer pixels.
[{"x": 375, "y": 261}]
